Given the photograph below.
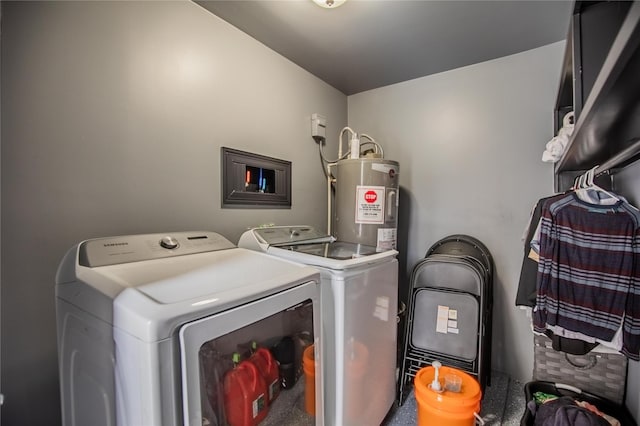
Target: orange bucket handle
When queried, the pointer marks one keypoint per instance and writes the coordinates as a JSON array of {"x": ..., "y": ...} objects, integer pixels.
[{"x": 479, "y": 419}]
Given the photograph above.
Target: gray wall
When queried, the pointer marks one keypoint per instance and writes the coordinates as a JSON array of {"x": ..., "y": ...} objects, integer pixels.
[
  {"x": 113, "y": 117},
  {"x": 469, "y": 143},
  {"x": 627, "y": 183}
]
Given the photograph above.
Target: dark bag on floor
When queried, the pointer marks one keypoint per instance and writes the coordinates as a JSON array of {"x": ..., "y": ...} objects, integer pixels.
[{"x": 617, "y": 411}]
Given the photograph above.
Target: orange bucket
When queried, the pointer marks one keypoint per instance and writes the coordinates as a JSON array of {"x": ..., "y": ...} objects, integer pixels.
[
  {"x": 309, "y": 367},
  {"x": 356, "y": 365},
  {"x": 446, "y": 408}
]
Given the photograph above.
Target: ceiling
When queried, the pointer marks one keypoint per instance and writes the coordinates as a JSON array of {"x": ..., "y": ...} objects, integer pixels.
[{"x": 365, "y": 44}]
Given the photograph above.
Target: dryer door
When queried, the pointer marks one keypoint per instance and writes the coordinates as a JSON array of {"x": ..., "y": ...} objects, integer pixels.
[{"x": 207, "y": 347}]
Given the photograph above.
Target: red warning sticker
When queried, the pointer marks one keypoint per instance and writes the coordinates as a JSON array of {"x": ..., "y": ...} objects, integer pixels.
[
  {"x": 370, "y": 204},
  {"x": 370, "y": 196}
]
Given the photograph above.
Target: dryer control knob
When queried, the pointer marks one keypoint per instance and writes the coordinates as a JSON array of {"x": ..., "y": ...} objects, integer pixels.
[{"x": 169, "y": 242}]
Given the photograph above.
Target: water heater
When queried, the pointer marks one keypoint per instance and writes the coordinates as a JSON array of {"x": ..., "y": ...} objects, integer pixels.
[
  {"x": 366, "y": 202},
  {"x": 365, "y": 208}
]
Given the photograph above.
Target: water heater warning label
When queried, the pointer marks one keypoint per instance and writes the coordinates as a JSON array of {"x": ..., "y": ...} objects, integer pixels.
[
  {"x": 386, "y": 239},
  {"x": 370, "y": 204}
]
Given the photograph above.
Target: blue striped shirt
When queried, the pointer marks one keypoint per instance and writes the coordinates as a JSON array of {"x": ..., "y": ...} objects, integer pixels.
[{"x": 589, "y": 270}]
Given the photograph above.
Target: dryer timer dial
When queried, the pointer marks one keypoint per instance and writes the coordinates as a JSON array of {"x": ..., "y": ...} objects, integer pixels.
[{"x": 169, "y": 242}]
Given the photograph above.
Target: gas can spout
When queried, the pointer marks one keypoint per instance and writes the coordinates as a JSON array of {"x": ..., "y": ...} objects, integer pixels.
[{"x": 435, "y": 384}]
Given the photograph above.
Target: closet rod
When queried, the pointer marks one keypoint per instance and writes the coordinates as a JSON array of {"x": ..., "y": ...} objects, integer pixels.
[{"x": 619, "y": 158}]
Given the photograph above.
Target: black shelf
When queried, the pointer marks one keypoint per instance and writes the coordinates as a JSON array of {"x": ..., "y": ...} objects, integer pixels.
[
  {"x": 607, "y": 130},
  {"x": 564, "y": 99}
]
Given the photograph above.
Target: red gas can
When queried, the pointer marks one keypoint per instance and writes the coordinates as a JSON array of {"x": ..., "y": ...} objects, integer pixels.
[
  {"x": 268, "y": 367},
  {"x": 245, "y": 395}
]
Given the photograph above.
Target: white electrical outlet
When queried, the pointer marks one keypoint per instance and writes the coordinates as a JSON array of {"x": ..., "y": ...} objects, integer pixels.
[{"x": 318, "y": 127}]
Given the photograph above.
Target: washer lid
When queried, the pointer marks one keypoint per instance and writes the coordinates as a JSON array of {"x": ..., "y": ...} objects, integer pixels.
[
  {"x": 337, "y": 255},
  {"x": 305, "y": 244},
  {"x": 287, "y": 235},
  {"x": 337, "y": 250}
]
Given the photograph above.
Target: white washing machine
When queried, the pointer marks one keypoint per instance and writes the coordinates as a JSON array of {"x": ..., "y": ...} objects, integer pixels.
[
  {"x": 147, "y": 325},
  {"x": 359, "y": 299}
]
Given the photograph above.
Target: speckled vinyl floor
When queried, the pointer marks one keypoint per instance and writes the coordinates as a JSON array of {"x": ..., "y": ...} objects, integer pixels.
[{"x": 503, "y": 404}]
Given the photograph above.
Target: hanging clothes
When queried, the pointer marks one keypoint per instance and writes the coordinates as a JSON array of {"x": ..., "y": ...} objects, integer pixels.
[
  {"x": 587, "y": 279},
  {"x": 526, "y": 294}
]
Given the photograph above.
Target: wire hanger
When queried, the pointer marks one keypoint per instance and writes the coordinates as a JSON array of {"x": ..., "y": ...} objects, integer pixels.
[
  {"x": 576, "y": 183},
  {"x": 587, "y": 182},
  {"x": 580, "y": 181}
]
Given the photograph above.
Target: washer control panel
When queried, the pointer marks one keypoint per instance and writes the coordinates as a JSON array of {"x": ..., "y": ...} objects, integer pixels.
[
  {"x": 135, "y": 248},
  {"x": 287, "y": 235}
]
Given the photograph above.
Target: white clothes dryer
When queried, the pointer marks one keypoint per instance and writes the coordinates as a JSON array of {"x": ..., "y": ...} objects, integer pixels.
[
  {"x": 147, "y": 325},
  {"x": 359, "y": 299}
]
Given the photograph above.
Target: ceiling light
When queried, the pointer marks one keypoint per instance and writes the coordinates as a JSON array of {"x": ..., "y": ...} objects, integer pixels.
[{"x": 329, "y": 4}]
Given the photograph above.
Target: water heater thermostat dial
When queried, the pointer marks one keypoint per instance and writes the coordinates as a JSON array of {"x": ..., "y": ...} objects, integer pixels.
[{"x": 169, "y": 242}]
